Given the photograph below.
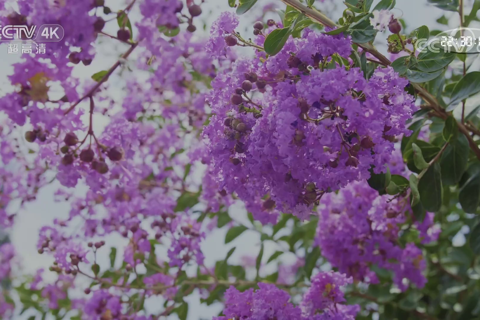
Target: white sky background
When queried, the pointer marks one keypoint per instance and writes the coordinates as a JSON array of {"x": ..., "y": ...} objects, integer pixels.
[{"x": 41, "y": 212}]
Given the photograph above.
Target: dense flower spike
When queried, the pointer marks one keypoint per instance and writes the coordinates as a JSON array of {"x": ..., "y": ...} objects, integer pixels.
[
  {"x": 310, "y": 130},
  {"x": 323, "y": 301},
  {"x": 358, "y": 228}
]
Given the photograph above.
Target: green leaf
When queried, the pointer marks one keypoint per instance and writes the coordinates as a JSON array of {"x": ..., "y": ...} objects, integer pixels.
[
  {"x": 363, "y": 35},
  {"x": 221, "y": 270},
  {"x": 385, "y": 5},
  {"x": 231, "y": 3},
  {"x": 443, "y": 20},
  {"x": 337, "y": 31},
  {"x": 420, "y": 76},
  {"x": 400, "y": 65},
  {"x": 413, "y": 182},
  {"x": 418, "y": 159},
  {"x": 474, "y": 239},
  {"x": 280, "y": 224},
  {"x": 449, "y": 5},
  {"x": 112, "y": 256},
  {"x": 99, "y": 75},
  {"x": 95, "y": 269},
  {"x": 469, "y": 195},
  {"x": 422, "y": 32},
  {"x": 311, "y": 261},
  {"x": 275, "y": 256},
  {"x": 379, "y": 181},
  {"x": 450, "y": 131},
  {"x": 276, "y": 40},
  {"x": 234, "y": 233},
  {"x": 169, "y": 32},
  {"x": 258, "y": 262},
  {"x": 473, "y": 13},
  {"x": 466, "y": 87},
  {"x": 186, "y": 201},
  {"x": 245, "y": 5},
  {"x": 182, "y": 311},
  {"x": 429, "y": 61},
  {"x": 229, "y": 254},
  {"x": 454, "y": 161},
  {"x": 430, "y": 188}
]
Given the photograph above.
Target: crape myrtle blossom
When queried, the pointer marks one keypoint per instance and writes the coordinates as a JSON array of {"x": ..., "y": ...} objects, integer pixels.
[
  {"x": 285, "y": 129},
  {"x": 323, "y": 300},
  {"x": 358, "y": 228}
]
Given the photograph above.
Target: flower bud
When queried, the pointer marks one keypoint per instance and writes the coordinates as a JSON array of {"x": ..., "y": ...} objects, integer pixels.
[
  {"x": 230, "y": 41},
  {"x": 116, "y": 153},
  {"x": 268, "y": 204},
  {"x": 367, "y": 143},
  {"x": 123, "y": 34},
  {"x": 99, "y": 3},
  {"x": 256, "y": 32},
  {"x": 258, "y": 25},
  {"x": 191, "y": 28},
  {"x": 70, "y": 139},
  {"x": 41, "y": 136},
  {"x": 87, "y": 155},
  {"x": 179, "y": 7},
  {"x": 236, "y": 99},
  {"x": 195, "y": 10},
  {"x": 241, "y": 127},
  {"x": 64, "y": 149},
  {"x": 100, "y": 166},
  {"x": 67, "y": 160},
  {"x": 251, "y": 76},
  {"x": 73, "y": 58},
  {"x": 235, "y": 161},
  {"x": 87, "y": 290},
  {"x": 271, "y": 22},
  {"x": 86, "y": 62},
  {"x": 352, "y": 162},
  {"x": 293, "y": 62},
  {"x": 239, "y": 147},
  {"x": 247, "y": 85},
  {"x": 333, "y": 163},
  {"x": 239, "y": 91},
  {"x": 394, "y": 26},
  {"x": 99, "y": 24},
  {"x": 261, "y": 84},
  {"x": 228, "y": 122},
  {"x": 30, "y": 136}
]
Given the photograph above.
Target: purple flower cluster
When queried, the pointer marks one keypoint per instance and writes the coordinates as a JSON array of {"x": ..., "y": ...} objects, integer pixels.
[
  {"x": 322, "y": 301},
  {"x": 358, "y": 228},
  {"x": 288, "y": 128}
]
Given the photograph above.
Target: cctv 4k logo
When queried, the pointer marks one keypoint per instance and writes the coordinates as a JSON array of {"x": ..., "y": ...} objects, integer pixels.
[{"x": 45, "y": 33}]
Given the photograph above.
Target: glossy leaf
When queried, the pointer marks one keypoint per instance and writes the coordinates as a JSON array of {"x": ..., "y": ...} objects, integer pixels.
[{"x": 430, "y": 188}]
